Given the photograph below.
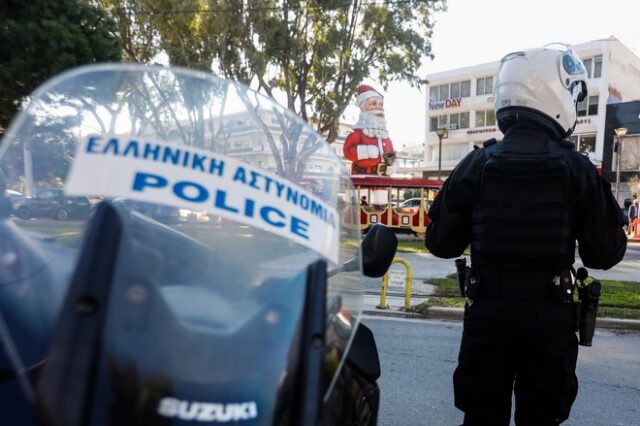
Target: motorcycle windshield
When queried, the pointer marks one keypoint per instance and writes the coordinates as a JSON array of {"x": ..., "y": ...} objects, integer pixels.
[{"x": 226, "y": 199}]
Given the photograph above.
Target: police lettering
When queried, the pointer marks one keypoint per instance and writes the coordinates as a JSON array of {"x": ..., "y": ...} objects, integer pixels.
[
  {"x": 207, "y": 163},
  {"x": 168, "y": 154},
  {"x": 193, "y": 192}
]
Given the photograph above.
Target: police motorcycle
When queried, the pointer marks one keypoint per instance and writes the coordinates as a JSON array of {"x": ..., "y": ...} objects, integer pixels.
[{"x": 245, "y": 310}]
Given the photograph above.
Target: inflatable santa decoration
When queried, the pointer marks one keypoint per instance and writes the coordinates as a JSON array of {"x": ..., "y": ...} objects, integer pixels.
[{"x": 369, "y": 147}]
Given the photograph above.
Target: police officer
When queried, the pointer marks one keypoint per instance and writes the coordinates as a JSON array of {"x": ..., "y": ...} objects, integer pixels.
[{"x": 521, "y": 204}]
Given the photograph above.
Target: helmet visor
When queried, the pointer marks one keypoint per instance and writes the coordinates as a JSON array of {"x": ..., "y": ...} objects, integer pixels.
[
  {"x": 572, "y": 64},
  {"x": 574, "y": 75}
]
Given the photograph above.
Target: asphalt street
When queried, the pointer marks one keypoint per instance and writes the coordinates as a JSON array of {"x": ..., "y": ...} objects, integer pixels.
[{"x": 418, "y": 358}]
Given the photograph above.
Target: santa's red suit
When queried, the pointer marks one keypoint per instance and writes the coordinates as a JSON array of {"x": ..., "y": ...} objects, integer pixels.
[{"x": 365, "y": 160}]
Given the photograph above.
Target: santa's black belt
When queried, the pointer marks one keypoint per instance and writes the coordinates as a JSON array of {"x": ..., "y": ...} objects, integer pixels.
[
  {"x": 516, "y": 284},
  {"x": 378, "y": 169}
]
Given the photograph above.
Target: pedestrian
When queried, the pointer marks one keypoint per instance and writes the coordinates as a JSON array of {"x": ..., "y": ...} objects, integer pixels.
[
  {"x": 633, "y": 215},
  {"x": 521, "y": 204}
]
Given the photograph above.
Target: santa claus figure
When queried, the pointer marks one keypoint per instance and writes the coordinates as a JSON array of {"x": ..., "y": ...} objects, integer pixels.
[{"x": 369, "y": 147}]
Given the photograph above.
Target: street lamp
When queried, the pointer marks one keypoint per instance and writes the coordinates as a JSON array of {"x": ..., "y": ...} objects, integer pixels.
[
  {"x": 442, "y": 133},
  {"x": 620, "y": 134}
]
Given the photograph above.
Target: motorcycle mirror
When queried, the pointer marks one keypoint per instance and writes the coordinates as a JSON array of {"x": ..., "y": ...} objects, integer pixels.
[
  {"x": 378, "y": 250},
  {"x": 581, "y": 274}
]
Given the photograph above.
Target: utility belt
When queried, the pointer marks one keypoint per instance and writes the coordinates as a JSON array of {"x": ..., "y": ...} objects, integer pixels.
[
  {"x": 476, "y": 284},
  {"x": 379, "y": 169},
  {"x": 529, "y": 285}
]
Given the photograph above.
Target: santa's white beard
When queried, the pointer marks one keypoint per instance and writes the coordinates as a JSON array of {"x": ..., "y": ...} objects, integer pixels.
[{"x": 372, "y": 125}]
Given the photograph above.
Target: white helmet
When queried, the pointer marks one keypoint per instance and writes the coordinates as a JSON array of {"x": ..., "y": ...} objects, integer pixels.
[{"x": 540, "y": 85}]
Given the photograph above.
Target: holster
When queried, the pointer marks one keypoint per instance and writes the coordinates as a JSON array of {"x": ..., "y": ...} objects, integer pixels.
[
  {"x": 468, "y": 279},
  {"x": 587, "y": 311}
]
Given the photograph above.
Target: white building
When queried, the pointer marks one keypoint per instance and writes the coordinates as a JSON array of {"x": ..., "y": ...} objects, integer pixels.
[{"x": 461, "y": 100}]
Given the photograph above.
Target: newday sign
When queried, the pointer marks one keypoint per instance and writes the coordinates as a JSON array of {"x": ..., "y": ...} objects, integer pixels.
[{"x": 195, "y": 179}]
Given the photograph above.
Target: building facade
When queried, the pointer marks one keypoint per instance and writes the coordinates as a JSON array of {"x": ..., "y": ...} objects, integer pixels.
[
  {"x": 626, "y": 183},
  {"x": 461, "y": 101}
]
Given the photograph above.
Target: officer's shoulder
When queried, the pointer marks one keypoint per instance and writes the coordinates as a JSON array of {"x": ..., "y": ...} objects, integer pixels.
[
  {"x": 569, "y": 148},
  {"x": 490, "y": 142},
  {"x": 483, "y": 152},
  {"x": 567, "y": 144}
]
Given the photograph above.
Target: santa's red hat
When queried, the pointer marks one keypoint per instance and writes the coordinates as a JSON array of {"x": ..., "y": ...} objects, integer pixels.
[{"x": 365, "y": 92}]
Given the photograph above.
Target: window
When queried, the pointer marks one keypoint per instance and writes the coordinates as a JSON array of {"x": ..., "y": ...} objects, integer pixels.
[
  {"x": 593, "y": 105},
  {"x": 588, "y": 63},
  {"x": 434, "y": 93},
  {"x": 484, "y": 86},
  {"x": 453, "y": 121},
  {"x": 589, "y": 106},
  {"x": 45, "y": 195},
  {"x": 455, "y": 89},
  {"x": 593, "y": 66},
  {"x": 485, "y": 118},
  {"x": 491, "y": 117},
  {"x": 454, "y": 152},
  {"x": 582, "y": 107},
  {"x": 630, "y": 159},
  {"x": 597, "y": 67},
  {"x": 433, "y": 123},
  {"x": 444, "y": 92},
  {"x": 464, "y": 120},
  {"x": 451, "y": 90},
  {"x": 585, "y": 142},
  {"x": 465, "y": 89}
]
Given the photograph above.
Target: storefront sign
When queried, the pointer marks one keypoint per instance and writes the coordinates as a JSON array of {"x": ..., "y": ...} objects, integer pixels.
[
  {"x": 448, "y": 103},
  {"x": 487, "y": 130},
  {"x": 583, "y": 121}
]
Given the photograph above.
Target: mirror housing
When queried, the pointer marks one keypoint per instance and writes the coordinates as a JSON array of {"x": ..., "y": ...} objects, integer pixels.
[{"x": 378, "y": 250}]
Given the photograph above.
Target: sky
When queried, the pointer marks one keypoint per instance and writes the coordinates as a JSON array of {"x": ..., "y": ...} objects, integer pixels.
[{"x": 472, "y": 32}]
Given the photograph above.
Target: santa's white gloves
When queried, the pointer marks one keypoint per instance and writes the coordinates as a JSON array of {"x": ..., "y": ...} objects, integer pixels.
[{"x": 367, "y": 151}]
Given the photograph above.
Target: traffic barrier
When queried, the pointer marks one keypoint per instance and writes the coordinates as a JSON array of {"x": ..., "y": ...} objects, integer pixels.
[
  {"x": 407, "y": 285},
  {"x": 636, "y": 230}
]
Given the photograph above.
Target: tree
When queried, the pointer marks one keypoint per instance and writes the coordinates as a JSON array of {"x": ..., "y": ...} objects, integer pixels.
[
  {"x": 41, "y": 38},
  {"x": 315, "y": 52},
  {"x": 634, "y": 184}
]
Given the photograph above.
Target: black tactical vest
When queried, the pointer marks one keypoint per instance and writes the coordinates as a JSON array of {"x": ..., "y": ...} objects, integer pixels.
[{"x": 522, "y": 218}]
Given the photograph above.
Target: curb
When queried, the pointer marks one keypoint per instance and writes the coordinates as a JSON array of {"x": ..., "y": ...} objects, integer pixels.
[{"x": 435, "y": 312}]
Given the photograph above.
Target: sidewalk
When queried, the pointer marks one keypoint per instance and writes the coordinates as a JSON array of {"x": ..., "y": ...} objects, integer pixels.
[
  {"x": 396, "y": 304},
  {"x": 427, "y": 266}
]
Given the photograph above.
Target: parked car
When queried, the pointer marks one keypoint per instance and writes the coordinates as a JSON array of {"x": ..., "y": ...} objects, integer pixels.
[
  {"x": 52, "y": 203},
  {"x": 412, "y": 204},
  {"x": 161, "y": 213},
  {"x": 14, "y": 195}
]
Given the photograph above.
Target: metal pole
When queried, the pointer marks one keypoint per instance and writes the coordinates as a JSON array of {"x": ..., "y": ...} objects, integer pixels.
[
  {"x": 439, "y": 156},
  {"x": 619, "y": 154}
]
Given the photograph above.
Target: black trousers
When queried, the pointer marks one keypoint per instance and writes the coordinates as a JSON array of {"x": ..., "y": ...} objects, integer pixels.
[{"x": 528, "y": 348}]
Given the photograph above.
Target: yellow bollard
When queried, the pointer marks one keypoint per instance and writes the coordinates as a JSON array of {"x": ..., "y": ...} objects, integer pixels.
[{"x": 407, "y": 286}]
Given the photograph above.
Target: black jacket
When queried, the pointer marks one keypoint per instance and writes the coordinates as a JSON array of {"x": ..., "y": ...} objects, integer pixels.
[{"x": 597, "y": 218}]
